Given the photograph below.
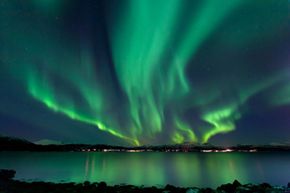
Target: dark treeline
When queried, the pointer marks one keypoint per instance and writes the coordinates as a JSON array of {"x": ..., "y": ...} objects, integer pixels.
[{"x": 15, "y": 144}]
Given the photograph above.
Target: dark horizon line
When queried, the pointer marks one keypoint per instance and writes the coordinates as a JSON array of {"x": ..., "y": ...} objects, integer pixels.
[
  {"x": 16, "y": 144},
  {"x": 149, "y": 145}
]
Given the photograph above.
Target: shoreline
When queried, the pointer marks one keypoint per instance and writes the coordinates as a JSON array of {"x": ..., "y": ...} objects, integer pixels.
[
  {"x": 16, "y": 144},
  {"x": 9, "y": 185},
  {"x": 17, "y": 186}
]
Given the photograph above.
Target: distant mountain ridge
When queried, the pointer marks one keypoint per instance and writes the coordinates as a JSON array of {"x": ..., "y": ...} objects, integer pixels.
[
  {"x": 48, "y": 142},
  {"x": 11, "y": 143},
  {"x": 15, "y": 144}
]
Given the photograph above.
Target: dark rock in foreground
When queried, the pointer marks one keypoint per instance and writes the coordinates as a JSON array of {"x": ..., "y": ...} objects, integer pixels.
[
  {"x": 7, "y": 174},
  {"x": 8, "y": 185}
]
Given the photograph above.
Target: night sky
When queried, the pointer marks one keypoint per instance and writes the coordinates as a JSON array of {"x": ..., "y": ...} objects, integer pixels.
[{"x": 135, "y": 72}]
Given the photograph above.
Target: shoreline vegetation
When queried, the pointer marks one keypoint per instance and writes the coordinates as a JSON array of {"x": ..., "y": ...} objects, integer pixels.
[
  {"x": 9, "y": 185},
  {"x": 15, "y": 144}
]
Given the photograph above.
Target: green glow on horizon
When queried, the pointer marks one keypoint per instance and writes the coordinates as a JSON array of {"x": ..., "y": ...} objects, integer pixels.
[
  {"x": 222, "y": 121},
  {"x": 177, "y": 138},
  {"x": 141, "y": 69},
  {"x": 140, "y": 66},
  {"x": 188, "y": 132},
  {"x": 145, "y": 29},
  {"x": 44, "y": 95},
  {"x": 162, "y": 71}
]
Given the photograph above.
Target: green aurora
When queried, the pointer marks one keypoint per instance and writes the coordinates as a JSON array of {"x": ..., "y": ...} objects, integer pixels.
[{"x": 149, "y": 71}]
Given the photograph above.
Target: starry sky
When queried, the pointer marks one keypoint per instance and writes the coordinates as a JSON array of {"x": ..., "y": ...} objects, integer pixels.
[{"x": 138, "y": 72}]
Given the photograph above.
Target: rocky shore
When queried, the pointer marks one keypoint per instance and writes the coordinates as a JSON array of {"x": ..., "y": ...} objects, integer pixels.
[{"x": 9, "y": 185}]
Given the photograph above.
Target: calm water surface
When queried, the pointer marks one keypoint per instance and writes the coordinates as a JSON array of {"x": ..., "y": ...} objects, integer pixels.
[{"x": 154, "y": 168}]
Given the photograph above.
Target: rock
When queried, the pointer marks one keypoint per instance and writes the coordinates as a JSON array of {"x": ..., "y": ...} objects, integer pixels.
[
  {"x": 243, "y": 189},
  {"x": 170, "y": 188},
  {"x": 87, "y": 183},
  {"x": 207, "y": 190},
  {"x": 265, "y": 185},
  {"x": 102, "y": 185},
  {"x": 7, "y": 174},
  {"x": 236, "y": 183},
  {"x": 192, "y": 190},
  {"x": 228, "y": 188}
]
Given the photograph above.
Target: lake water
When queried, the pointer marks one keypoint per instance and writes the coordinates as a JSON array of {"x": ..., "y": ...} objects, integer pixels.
[{"x": 150, "y": 168}]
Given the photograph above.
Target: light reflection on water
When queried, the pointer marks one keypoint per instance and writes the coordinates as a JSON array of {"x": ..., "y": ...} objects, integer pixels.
[{"x": 180, "y": 169}]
